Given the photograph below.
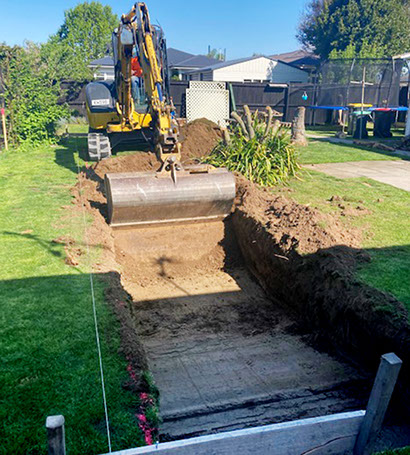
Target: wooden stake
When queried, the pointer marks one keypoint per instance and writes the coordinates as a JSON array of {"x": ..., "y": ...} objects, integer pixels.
[
  {"x": 379, "y": 399},
  {"x": 3, "y": 122},
  {"x": 55, "y": 435}
]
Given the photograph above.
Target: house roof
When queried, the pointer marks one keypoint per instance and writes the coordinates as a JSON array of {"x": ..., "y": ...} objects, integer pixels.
[
  {"x": 105, "y": 61},
  {"x": 299, "y": 58},
  {"x": 196, "y": 61},
  {"x": 219, "y": 65},
  {"x": 175, "y": 56}
]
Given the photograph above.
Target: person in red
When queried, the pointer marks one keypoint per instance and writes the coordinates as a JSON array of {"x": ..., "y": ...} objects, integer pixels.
[
  {"x": 136, "y": 67},
  {"x": 136, "y": 74}
]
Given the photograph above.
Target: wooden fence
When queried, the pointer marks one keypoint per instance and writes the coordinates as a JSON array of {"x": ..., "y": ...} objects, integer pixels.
[
  {"x": 345, "y": 433},
  {"x": 281, "y": 97}
]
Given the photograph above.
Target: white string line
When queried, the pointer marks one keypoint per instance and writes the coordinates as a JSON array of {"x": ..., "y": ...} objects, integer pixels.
[{"x": 97, "y": 334}]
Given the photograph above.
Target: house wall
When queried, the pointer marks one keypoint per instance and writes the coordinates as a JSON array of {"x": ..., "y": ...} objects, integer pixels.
[
  {"x": 201, "y": 76},
  {"x": 261, "y": 70}
]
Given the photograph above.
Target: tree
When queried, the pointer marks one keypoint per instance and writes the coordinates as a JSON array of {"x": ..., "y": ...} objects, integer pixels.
[
  {"x": 214, "y": 53},
  {"x": 30, "y": 93},
  {"x": 84, "y": 36},
  {"x": 365, "y": 28}
]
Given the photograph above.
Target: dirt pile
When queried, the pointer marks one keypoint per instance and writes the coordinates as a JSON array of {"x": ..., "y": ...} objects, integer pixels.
[
  {"x": 135, "y": 162},
  {"x": 198, "y": 140},
  {"x": 294, "y": 227}
]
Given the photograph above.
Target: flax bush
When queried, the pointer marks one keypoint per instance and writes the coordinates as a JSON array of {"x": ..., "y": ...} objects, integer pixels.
[{"x": 260, "y": 151}]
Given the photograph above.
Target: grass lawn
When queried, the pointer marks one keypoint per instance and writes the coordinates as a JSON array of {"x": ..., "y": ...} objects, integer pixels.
[
  {"x": 322, "y": 151},
  {"x": 385, "y": 229},
  {"x": 49, "y": 361}
]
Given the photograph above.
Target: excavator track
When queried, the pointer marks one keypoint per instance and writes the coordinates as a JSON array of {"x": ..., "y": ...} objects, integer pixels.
[{"x": 99, "y": 147}]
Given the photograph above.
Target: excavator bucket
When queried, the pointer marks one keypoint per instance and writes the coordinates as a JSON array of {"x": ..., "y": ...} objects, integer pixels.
[{"x": 146, "y": 198}]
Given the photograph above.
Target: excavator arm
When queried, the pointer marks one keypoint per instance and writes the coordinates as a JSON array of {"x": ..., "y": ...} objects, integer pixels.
[
  {"x": 174, "y": 193},
  {"x": 136, "y": 35}
]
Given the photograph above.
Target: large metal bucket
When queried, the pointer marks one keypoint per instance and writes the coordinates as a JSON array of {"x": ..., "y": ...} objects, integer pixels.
[{"x": 145, "y": 198}]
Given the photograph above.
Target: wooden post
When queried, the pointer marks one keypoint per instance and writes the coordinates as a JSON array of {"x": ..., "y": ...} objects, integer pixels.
[
  {"x": 3, "y": 122},
  {"x": 55, "y": 435},
  {"x": 383, "y": 387},
  {"x": 363, "y": 89}
]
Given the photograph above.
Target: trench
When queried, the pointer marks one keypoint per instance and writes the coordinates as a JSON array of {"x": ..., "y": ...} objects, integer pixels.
[{"x": 222, "y": 353}]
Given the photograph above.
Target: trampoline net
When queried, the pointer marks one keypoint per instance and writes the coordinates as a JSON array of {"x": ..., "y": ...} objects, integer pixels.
[{"x": 340, "y": 82}]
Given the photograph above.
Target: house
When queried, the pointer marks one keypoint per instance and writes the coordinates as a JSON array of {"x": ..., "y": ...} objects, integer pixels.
[
  {"x": 179, "y": 64},
  {"x": 304, "y": 60},
  {"x": 251, "y": 69},
  {"x": 103, "y": 68}
]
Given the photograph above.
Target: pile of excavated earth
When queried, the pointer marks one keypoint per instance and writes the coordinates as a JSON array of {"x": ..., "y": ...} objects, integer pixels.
[{"x": 242, "y": 322}]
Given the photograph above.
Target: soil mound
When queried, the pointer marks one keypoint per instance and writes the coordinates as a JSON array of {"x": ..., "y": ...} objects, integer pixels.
[
  {"x": 293, "y": 226},
  {"x": 199, "y": 139},
  {"x": 135, "y": 162}
]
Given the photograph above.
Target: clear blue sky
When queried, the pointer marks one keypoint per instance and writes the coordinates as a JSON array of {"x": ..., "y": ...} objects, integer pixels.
[{"x": 242, "y": 27}]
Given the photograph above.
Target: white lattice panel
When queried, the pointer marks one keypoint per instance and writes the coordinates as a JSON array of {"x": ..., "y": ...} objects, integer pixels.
[
  {"x": 200, "y": 85},
  {"x": 207, "y": 102}
]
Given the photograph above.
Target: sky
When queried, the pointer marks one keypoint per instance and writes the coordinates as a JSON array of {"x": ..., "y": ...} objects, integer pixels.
[{"x": 242, "y": 27}]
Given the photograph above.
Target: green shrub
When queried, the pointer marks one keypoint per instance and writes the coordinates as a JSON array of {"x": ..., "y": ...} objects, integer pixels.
[
  {"x": 30, "y": 93},
  {"x": 268, "y": 158}
]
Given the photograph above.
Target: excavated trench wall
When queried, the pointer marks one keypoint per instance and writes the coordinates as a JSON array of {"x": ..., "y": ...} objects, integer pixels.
[{"x": 318, "y": 284}]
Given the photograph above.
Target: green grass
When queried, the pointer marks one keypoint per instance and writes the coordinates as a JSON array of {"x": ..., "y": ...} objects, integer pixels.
[
  {"x": 48, "y": 352},
  {"x": 403, "y": 451},
  {"x": 77, "y": 128},
  {"x": 321, "y": 151},
  {"x": 385, "y": 230}
]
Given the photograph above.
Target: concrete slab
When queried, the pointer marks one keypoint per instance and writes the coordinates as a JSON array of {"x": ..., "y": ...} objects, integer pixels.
[{"x": 395, "y": 173}]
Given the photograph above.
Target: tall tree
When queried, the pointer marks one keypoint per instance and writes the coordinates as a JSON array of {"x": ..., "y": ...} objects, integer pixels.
[
  {"x": 84, "y": 36},
  {"x": 366, "y": 28}
]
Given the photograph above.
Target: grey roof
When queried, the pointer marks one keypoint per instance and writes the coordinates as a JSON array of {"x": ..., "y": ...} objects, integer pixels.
[
  {"x": 231, "y": 62},
  {"x": 298, "y": 58},
  {"x": 175, "y": 56},
  {"x": 105, "y": 61},
  {"x": 196, "y": 61}
]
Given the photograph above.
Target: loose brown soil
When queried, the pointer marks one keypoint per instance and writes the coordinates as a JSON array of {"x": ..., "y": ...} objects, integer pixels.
[
  {"x": 183, "y": 291},
  {"x": 199, "y": 139}
]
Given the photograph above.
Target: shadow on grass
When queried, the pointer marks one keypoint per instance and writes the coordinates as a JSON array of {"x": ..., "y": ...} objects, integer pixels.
[
  {"x": 71, "y": 146},
  {"x": 53, "y": 247},
  {"x": 49, "y": 366}
]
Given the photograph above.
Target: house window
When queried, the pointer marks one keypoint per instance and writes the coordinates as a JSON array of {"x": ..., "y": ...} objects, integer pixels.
[{"x": 201, "y": 76}]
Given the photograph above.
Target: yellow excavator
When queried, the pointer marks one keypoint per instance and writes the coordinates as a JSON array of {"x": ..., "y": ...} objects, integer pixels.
[{"x": 137, "y": 107}]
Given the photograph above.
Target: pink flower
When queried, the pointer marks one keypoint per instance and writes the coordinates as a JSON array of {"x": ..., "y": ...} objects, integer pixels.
[
  {"x": 144, "y": 396},
  {"x": 142, "y": 418},
  {"x": 148, "y": 438}
]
